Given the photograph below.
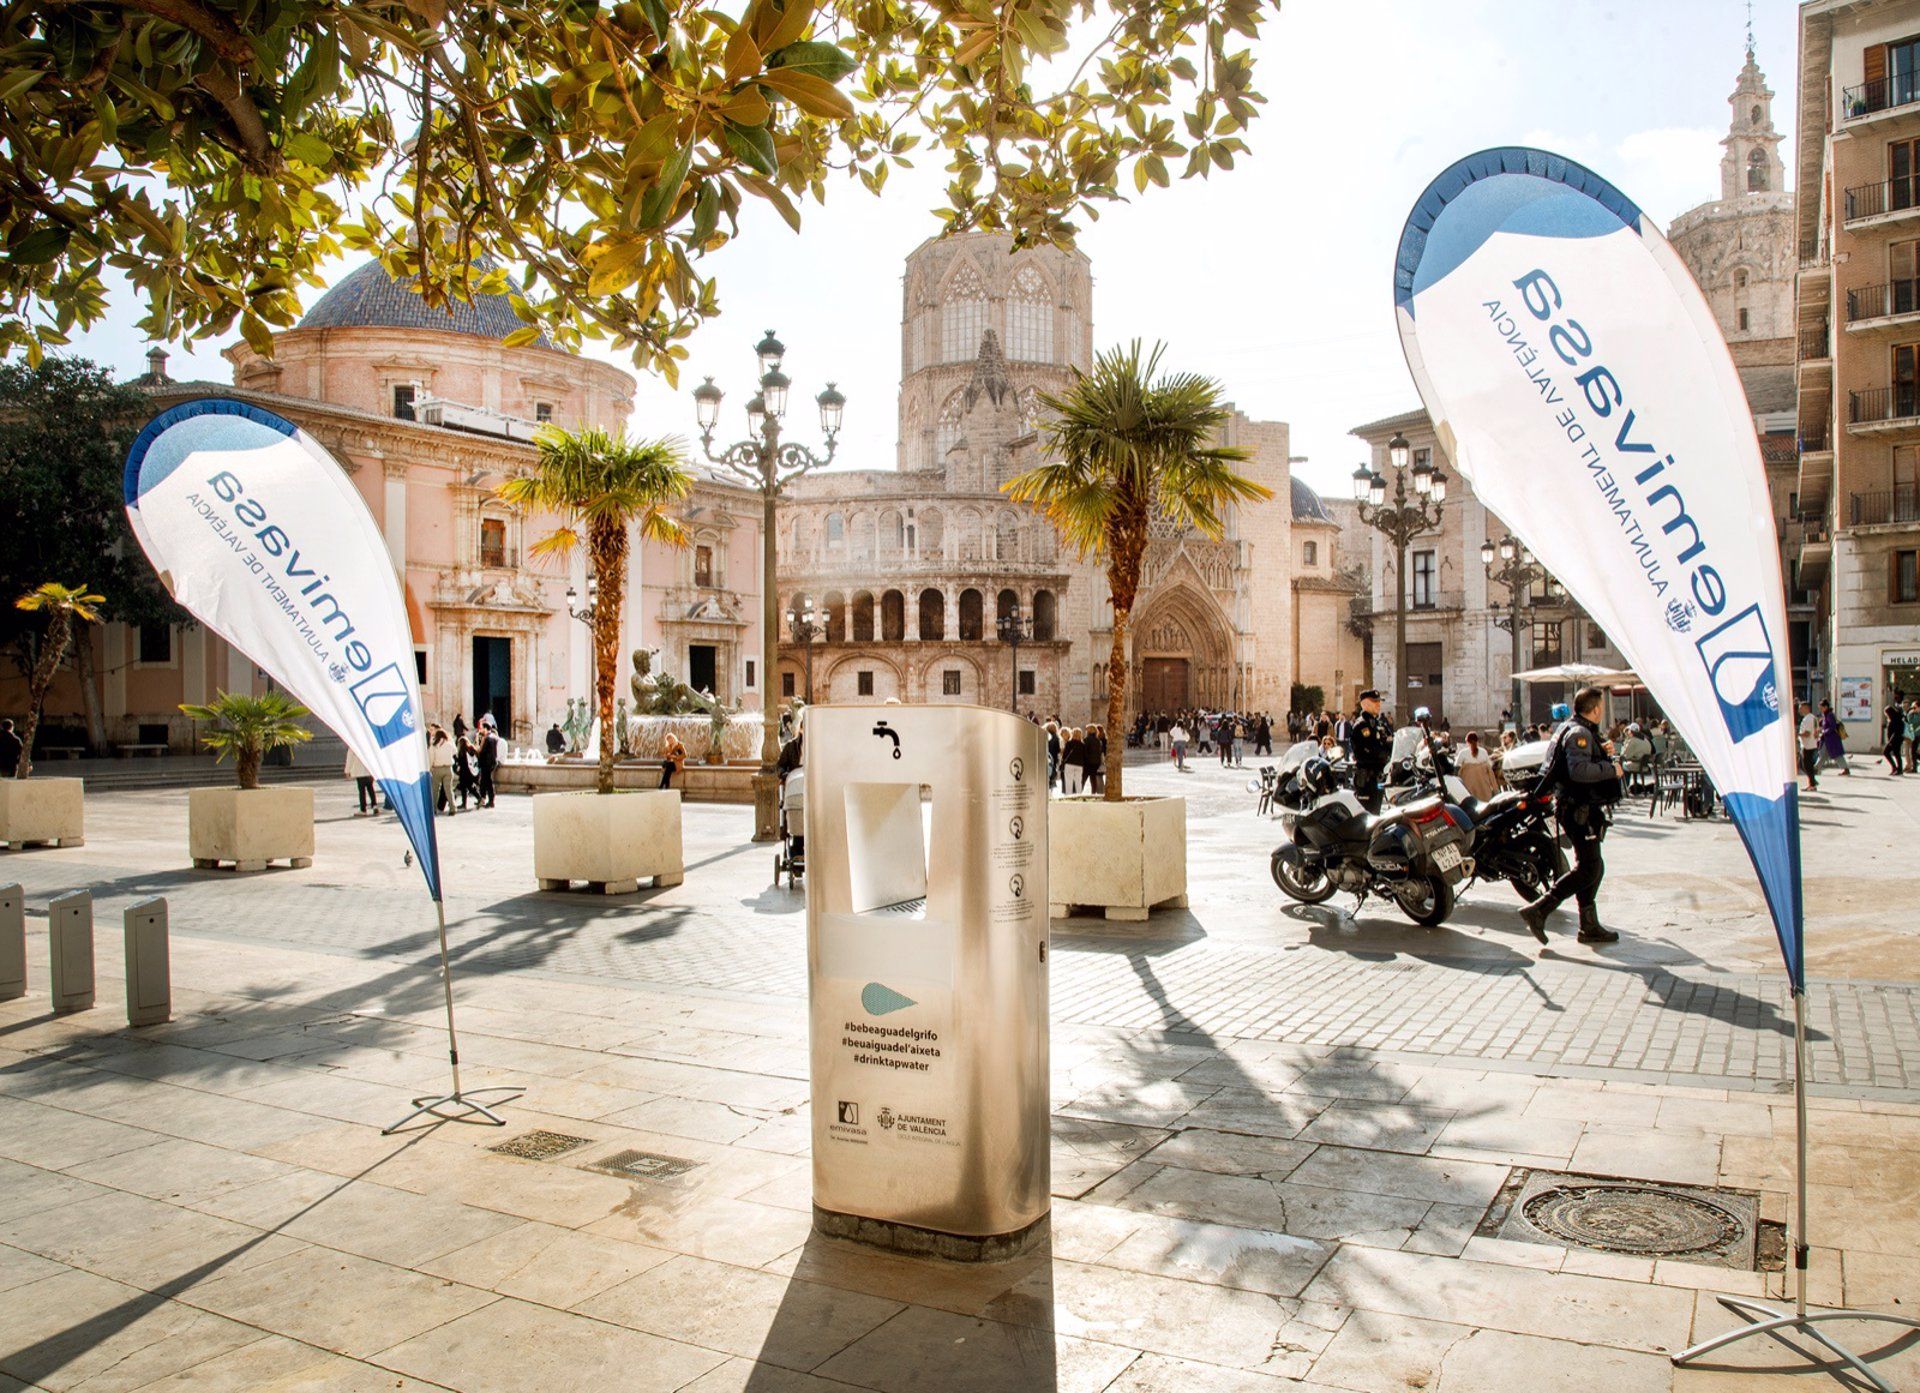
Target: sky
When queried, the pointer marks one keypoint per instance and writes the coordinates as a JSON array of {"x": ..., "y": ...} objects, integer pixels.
[{"x": 1274, "y": 277}]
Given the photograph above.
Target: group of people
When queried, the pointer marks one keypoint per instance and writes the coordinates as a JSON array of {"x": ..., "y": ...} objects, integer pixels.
[
  {"x": 1229, "y": 734},
  {"x": 1823, "y": 737},
  {"x": 461, "y": 762},
  {"x": 1076, "y": 758}
]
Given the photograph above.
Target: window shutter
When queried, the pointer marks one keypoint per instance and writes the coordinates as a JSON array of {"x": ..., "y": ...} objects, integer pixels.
[{"x": 1875, "y": 58}]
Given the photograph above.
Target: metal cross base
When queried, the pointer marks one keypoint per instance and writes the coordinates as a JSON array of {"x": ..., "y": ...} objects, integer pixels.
[
  {"x": 1765, "y": 1320},
  {"x": 471, "y": 1110}
]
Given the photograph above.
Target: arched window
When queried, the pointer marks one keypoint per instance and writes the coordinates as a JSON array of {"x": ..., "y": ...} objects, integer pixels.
[
  {"x": 972, "y": 607},
  {"x": 863, "y": 618},
  {"x": 933, "y": 614},
  {"x": 933, "y": 533},
  {"x": 1740, "y": 280},
  {"x": 1045, "y": 614},
  {"x": 964, "y": 317},
  {"x": 493, "y": 542},
  {"x": 948, "y": 429},
  {"x": 836, "y": 531},
  {"x": 1005, "y": 608},
  {"x": 893, "y": 616},
  {"x": 1755, "y": 118},
  {"x": 1006, "y": 538},
  {"x": 1757, "y": 172},
  {"x": 1030, "y": 318},
  {"x": 893, "y": 536},
  {"x": 836, "y": 621}
]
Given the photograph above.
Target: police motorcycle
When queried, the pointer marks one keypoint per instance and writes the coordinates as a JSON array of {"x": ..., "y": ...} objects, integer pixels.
[
  {"x": 1415, "y": 854},
  {"x": 1279, "y": 786},
  {"x": 1510, "y": 836}
]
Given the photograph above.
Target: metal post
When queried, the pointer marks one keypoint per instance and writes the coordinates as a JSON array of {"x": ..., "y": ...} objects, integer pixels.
[
  {"x": 70, "y": 948},
  {"x": 1513, "y": 598},
  {"x": 149, "y": 973},
  {"x": 471, "y": 1110},
  {"x": 1403, "y": 710},
  {"x": 765, "y": 780},
  {"x": 13, "y": 942}
]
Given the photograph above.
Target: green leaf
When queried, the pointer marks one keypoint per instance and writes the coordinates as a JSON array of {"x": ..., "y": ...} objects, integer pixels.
[
  {"x": 656, "y": 205},
  {"x": 521, "y": 337},
  {"x": 822, "y": 60},
  {"x": 753, "y": 147},
  {"x": 38, "y": 248},
  {"x": 308, "y": 149}
]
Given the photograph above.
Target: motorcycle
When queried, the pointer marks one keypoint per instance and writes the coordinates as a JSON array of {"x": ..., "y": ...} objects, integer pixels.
[
  {"x": 1511, "y": 836},
  {"x": 1414, "y": 855},
  {"x": 1279, "y": 784}
]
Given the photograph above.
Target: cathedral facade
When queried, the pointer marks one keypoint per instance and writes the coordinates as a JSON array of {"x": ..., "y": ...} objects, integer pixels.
[{"x": 920, "y": 577}]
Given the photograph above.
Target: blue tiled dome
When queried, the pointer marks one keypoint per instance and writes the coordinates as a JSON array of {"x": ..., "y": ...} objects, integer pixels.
[
  {"x": 1307, "y": 505},
  {"x": 369, "y": 298}
]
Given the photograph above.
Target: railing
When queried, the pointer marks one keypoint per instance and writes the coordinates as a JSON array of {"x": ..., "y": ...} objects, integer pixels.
[
  {"x": 1812, "y": 253},
  {"x": 1879, "y": 301},
  {"x": 1888, "y": 196},
  {"x": 499, "y": 559},
  {"x": 1813, "y": 527},
  {"x": 1813, "y": 442},
  {"x": 1813, "y": 344},
  {"x": 1901, "y": 503},
  {"x": 1877, "y": 404},
  {"x": 1881, "y": 94}
]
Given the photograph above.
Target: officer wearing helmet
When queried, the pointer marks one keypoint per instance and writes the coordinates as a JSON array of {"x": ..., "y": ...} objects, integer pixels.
[
  {"x": 1584, "y": 777},
  {"x": 1371, "y": 746}
]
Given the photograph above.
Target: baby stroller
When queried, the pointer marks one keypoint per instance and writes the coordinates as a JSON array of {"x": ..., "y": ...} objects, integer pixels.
[{"x": 791, "y": 859}]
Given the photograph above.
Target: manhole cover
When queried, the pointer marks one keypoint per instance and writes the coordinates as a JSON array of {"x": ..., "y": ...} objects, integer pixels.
[
  {"x": 648, "y": 1165},
  {"x": 1634, "y": 1218},
  {"x": 540, "y": 1146}
]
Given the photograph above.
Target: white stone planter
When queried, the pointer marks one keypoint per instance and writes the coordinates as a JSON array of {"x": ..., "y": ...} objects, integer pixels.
[
  {"x": 1125, "y": 858},
  {"x": 246, "y": 828},
  {"x": 612, "y": 841},
  {"x": 41, "y": 812}
]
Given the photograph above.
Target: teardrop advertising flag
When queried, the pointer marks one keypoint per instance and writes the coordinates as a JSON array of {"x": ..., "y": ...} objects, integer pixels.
[
  {"x": 259, "y": 533},
  {"x": 1577, "y": 379}
]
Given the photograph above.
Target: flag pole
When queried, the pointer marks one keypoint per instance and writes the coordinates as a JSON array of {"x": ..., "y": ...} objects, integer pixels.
[
  {"x": 1759, "y": 1319},
  {"x": 468, "y": 1109}
]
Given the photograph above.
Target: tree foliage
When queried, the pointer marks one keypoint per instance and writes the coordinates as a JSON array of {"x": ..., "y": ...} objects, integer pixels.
[
  {"x": 583, "y": 155},
  {"x": 62, "y": 605},
  {"x": 249, "y": 727}
]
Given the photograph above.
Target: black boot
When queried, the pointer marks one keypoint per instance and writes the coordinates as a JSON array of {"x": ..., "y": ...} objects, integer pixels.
[
  {"x": 1534, "y": 915},
  {"x": 1591, "y": 929}
]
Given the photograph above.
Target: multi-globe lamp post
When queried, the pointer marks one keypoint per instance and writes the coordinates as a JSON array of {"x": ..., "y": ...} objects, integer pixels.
[
  {"x": 1511, "y": 564},
  {"x": 766, "y": 464},
  {"x": 1401, "y": 519},
  {"x": 805, "y": 624},
  {"x": 1015, "y": 628}
]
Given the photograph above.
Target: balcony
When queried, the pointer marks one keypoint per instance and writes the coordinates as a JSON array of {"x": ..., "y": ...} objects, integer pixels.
[
  {"x": 1812, "y": 254},
  {"x": 498, "y": 558},
  {"x": 1815, "y": 353},
  {"x": 1897, "y": 94},
  {"x": 1874, "y": 306},
  {"x": 1895, "y": 507},
  {"x": 1884, "y": 410},
  {"x": 1816, "y": 547},
  {"x": 1889, "y": 201}
]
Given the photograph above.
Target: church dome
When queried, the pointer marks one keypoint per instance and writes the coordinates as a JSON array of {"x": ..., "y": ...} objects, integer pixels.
[
  {"x": 1307, "y": 506},
  {"x": 369, "y": 298}
]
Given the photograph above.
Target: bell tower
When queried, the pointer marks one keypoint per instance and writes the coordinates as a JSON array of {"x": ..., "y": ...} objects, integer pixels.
[{"x": 1752, "y": 162}]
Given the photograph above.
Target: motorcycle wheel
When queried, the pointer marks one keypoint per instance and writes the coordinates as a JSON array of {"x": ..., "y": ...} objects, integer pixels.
[
  {"x": 1427, "y": 902},
  {"x": 1308, "y": 887}
]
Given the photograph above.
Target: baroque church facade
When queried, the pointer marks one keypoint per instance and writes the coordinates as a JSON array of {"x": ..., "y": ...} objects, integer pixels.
[{"x": 918, "y": 575}]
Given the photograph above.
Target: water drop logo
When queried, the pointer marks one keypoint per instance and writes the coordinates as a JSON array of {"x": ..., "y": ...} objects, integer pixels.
[
  {"x": 881, "y": 1001},
  {"x": 1739, "y": 661},
  {"x": 383, "y": 700}
]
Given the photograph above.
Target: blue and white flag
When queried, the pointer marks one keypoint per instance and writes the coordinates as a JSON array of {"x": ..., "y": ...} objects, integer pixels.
[
  {"x": 1578, "y": 380},
  {"x": 258, "y": 532}
]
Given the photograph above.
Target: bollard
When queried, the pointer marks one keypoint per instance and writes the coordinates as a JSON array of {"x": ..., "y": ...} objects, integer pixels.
[
  {"x": 149, "y": 977},
  {"x": 13, "y": 942},
  {"x": 70, "y": 946}
]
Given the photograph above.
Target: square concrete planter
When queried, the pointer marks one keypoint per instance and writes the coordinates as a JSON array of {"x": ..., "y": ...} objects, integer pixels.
[
  {"x": 1125, "y": 858},
  {"x": 247, "y": 828},
  {"x": 41, "y": 812},
  {"x": 612, "y": 841}
]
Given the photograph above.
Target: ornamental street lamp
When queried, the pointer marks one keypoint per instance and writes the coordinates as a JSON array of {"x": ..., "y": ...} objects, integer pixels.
[
  {"x": 1400, "y": 521},
  {"x": 766, "y": 465},
  {"x": 805, "y": 626},
  {"x": 1511, "y": 564},
  {"x": 584, "y": 613},
  {"x": 1015, "y": 628}
]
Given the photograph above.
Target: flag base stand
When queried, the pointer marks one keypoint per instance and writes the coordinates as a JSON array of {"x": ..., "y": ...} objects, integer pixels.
[
  {"x": 1761, "y": 1319},
  {"x": 465, "y": 1107}
]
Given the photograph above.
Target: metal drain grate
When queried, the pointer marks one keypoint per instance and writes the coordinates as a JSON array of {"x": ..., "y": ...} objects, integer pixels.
[
  {"x": 1630, "y": 1217},
  {"x": 540, "y": 1146},
  {"x": 918, "y": 906},
  {"x": 646, "y": 1165}
]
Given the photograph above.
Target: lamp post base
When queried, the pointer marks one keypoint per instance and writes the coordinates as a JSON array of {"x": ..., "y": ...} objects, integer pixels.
[{"x": 766, "y": 810}]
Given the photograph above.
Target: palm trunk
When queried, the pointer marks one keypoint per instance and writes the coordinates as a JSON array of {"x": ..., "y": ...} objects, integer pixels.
[
  {"x": 246, "y": 766},
  {"x": 1117, "y": 704},
  {"x": 607, "y": 553},
  {"x": 52, "y": 649},
  {"x": 1126, "y": 548}
]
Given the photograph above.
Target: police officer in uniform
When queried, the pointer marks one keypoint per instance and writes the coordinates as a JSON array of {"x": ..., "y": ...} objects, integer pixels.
[
  {"x": 1370, "y": 744},
  {"x": 1584, "y": 778}
]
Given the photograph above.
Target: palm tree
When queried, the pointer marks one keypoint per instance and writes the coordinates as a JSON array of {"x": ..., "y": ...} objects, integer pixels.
[
  {"x": 599, "y": 485},
  {"x": 62, "y": 604},
  {"x": 1129, "y": 447},
  {"x": 248, "y": 727}
]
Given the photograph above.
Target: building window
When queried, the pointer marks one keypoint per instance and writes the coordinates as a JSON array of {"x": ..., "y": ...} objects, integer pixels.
[
  {"x": 543, "y": 411},
  {"x": 1421, "y": 458},
  {"x": 786, "y": 684},
  {"x": 156, "y": 643},
  {"x": 863, "y": 683},
  {"x": 1546, "y": 643},
  {"x": 1742, "y": 318},
  {"x": 420, "y": 666},
  {"x": 493, "y": 542},
  {"x": 1757, "y": 172},
  {"x": 1029, "y": 318},
  {"x": 964, "y": 318},
  {"x": 1424, "y": 595},
  {"x": 703, "y": 566},
  {"x": 836, "y": 530},
  {"x": 1310, "y": 553},
  {"x": 950, "y": 682},
  {"x": 1596, "y": 638},
  {"x": 1905, "y": 577},
  {"x": 947, "y": 431},
  {"x": 1425, "y": 672},
  {"x": 750, "y": 674},
  {"x": 1026, "y": 681},
  {"x": 403, "y": 395}
]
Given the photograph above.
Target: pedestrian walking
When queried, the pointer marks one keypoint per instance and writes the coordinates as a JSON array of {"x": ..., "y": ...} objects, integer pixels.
[
  {"x": 363, "y": 786},
  {"x": 488, "y": 759},
  {"x": 1476, "y": 768},
  {"x": 1833, "y": 739},
  {"x": 1073, "y": 754},
  {"x": 1583, "y": 775},
  {"x": 1094, "y": 763},
  {"x": 1177, "y": 735},
  {"x": 1809, "y": 746},
  {"x": 1913, "y": 734},
  {"x": 440, "y": 765},
  {"x": 1263, "y": 734},
  {"x": 10, "y": 748},
  {"x": 1895, "y": 735},
  {"x": 1224, "y": 738},
  {"x": 1053, "y": 754}
]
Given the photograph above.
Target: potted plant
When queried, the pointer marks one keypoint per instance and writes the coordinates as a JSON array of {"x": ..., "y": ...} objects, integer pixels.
[
  {"x": 1128, "y": 447},
  {"x": 46, "y": 812},
  {"x": 248, "y": 826},
  {"x": 603, "y": 488}
]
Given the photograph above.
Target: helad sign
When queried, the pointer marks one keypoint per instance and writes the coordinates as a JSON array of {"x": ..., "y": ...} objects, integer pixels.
[
  {"x": 257, "y": 531},
  {"x": 1577, "y": 379}
]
